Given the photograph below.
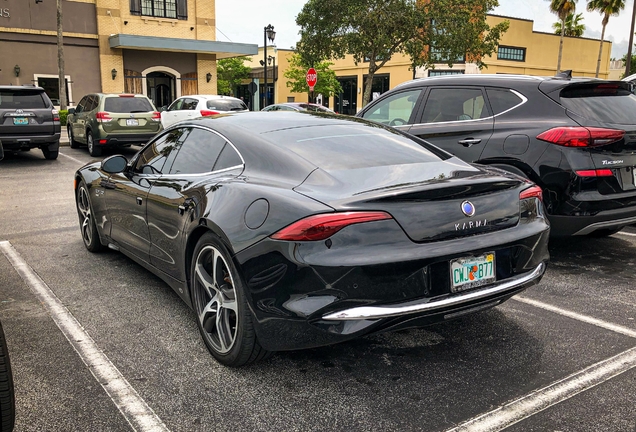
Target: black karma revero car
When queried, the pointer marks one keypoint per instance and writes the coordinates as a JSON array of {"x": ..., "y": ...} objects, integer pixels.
[{"x": 298, "y": 230}]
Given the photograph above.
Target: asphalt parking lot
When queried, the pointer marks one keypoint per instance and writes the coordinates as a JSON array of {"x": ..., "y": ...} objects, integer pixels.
[{"x": 99, "y": 344}]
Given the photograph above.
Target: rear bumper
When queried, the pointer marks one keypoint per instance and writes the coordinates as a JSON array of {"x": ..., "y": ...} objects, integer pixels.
[
  {"x": 562, "y": 226},
  {"x": 17, "y": 142},
  {"x": 122, "y": 140}
]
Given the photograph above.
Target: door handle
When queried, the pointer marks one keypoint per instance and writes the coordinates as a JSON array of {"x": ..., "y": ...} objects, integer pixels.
[{"x": 467, "y": 142}]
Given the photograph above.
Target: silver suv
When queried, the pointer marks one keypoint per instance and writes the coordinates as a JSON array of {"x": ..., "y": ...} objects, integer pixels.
[{"x": 28, "y": 120}]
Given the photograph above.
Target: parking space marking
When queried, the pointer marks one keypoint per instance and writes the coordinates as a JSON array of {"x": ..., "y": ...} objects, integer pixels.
[
  {"x": 73, "y": 159},
  {"x": 134, "y": 409},
  {"x": 626, "y": 233},
  {"x": 584, "y": 318},
  {"x": 539, "y": 400}
]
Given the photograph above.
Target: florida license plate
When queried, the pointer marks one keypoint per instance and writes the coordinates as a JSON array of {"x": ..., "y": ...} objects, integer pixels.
[
  {"x": 132, "y": 122},
  {"x": 20, "y": 121},
  {"x": 471, "y": 272}
]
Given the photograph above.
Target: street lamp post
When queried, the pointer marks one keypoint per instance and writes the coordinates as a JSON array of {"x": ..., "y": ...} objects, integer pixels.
[
  {"x": 268, "y": 33},
  {"x": 272, "y": 59}
]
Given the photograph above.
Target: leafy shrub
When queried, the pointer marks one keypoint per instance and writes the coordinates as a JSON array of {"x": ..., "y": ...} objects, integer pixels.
[{"x": 63, "y": 115}]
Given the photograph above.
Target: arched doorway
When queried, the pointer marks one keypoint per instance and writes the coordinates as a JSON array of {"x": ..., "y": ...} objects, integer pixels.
[{"x": 160, "y": 88}]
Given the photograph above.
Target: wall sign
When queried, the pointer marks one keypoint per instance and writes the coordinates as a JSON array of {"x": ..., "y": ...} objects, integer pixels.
[{"x": 4, "y": 13}]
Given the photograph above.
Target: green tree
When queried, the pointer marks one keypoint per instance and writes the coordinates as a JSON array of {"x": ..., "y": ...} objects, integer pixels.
[
  {"x": 374, "y": 30},
  {"x": 607, "y": 8},
  {"x": 573, "y": 26},
  {"x": 327, "y": 84},
  {"x": 230, "y": 72},
  {"x": 562, "y": 8},
  {"x": 633, "y": 61}
]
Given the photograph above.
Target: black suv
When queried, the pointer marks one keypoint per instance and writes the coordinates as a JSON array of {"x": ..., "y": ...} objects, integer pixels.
[
  {"x": 576, "y": 138},
  {"x": 28, "y": 120}
]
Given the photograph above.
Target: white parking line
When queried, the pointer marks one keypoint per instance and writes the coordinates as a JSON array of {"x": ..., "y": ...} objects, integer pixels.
[
  {"x": 584, "y": 318},
  {"x": 546, "y": 397},
  {"x": 73, "y": 159},
  {"x": 134, "y": 409},
  {"x": 626, "y": 233}
]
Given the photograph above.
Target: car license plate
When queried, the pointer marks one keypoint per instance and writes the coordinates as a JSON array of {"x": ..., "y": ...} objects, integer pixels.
[
  {"x": 20, "y": 121},
  {"x": 471, "y": 272},
  {"x": 132, "y": 122}
]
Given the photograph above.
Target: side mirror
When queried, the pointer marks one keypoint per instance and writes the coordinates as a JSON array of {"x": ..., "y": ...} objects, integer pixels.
[
  {"x": 163, "y": 108},
  {"x": 114, "y": 164},
  {"x": 71, "y": 110}
]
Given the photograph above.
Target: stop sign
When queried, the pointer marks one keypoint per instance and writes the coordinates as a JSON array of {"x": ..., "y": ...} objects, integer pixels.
[{"x": 312, "y": 78}]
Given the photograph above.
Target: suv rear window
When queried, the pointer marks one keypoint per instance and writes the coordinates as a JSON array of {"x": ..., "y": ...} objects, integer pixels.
[
  {"x": 605, "y": 103},
  {"x": 127, "y": 105},
  {"x": 226, "y": 105},
  {"x": 16, "y": 99}
]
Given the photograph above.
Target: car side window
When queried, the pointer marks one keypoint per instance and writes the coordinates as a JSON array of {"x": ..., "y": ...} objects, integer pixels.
[
  {"x": 80, "y": 106},
  {"x": 163, "y": 149},
  {"x": 502, "y": 100},
  {"x": 454, "y": 104},
  {"x": 228, "y": 158},
  {"x": 91, "y": 103},
  {"x": 198, "y": 153},
  {"x": 190, "y": 104},
  {"x": 394, "y": 110},
  {"x": 176, "y": 105}
]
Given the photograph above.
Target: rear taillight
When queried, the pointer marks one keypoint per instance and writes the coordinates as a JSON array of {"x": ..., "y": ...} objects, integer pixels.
[
  {"x": 156, "y": 116},
  {"x": 56, "y": 115},
  {"x": 103, "y": 117},
  {"x": 581, "y": 136},
  {"x": 322, "y": 226},
  {"x": 595, "y": 173},
  {"x": 206, "y": 113},
  {"x": 531, "y": 192},
  {"x": 126, "y": 95}
]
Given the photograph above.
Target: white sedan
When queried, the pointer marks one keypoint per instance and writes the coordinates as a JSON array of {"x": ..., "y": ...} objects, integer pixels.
[{"x": 192, "y": 106}]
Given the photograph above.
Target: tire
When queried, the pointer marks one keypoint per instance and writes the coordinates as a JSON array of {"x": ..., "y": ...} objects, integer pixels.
[
  {"x": 7, "y": 396},
  {"x": 71, "y": 140},
  {"x": 218, "y": 298},
  {"x": 90, "y": 235},
  {"x": 49, "y": 154},
  {"x": 93, "y": 150}
]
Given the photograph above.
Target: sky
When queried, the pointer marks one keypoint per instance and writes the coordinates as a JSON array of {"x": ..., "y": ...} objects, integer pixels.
[{"x": 244, "y": 20}]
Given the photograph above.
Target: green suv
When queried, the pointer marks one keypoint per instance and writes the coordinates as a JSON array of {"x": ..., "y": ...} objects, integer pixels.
[{"x": 112, "y": 120}]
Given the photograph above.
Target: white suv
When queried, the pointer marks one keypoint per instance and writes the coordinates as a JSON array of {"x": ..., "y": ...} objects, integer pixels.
[{"x": 192, "y": 106}]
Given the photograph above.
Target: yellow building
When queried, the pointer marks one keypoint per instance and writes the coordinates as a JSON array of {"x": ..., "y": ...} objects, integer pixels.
[{"x": 160, "y": 48}]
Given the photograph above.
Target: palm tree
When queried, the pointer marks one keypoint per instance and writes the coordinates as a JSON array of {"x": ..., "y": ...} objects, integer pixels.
[
  {"x": 562, "y": 8},
  {"x": 573, "y": 25},
  {"x": 607, "y": 8}
]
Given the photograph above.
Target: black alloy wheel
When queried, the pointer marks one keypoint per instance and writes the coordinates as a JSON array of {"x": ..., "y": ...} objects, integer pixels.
[
  {"x": 87, "y": 222},
  {"x": 71, "y": 139},
  {"x": 7, "y": 396},
  {"x": 219, "y": 301},
  {"x": 93, "y": 150}
]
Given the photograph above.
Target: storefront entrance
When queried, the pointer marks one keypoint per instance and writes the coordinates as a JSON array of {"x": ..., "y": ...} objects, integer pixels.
[
  {"x": 347, "y": 101},
  {"x": 161, "y": 88}
]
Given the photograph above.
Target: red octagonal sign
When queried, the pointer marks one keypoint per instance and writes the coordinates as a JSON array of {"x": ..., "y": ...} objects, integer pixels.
[{"x": 312, "y": 78}]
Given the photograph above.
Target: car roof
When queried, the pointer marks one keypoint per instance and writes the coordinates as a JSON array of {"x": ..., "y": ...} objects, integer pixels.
[
  {"x": 629, "y": 78},
  {"x": 488, "y": 79},
  {"x": 20, "y": 87},
  {"x": 211, "y": 97}
]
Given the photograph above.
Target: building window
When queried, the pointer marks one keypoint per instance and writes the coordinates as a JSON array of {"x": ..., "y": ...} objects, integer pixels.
[
  {"x": 511, "y": 53},
  {"x": 436, "y": 72},
  {"x": 175, "y": 9},
  {"x": 50, "y": 84}
]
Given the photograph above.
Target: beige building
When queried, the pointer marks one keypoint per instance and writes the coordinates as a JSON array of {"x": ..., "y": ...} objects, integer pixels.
[{"x": 161, "y": 48}]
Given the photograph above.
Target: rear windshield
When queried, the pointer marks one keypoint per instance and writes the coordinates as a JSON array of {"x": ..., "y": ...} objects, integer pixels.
[
  {"x": 605, "y": 103},
  {"x": 127, "y": 105},
  {"x": 226, "y": 105},
  {"x": 349, "y": 147},
  {"x": 21, "y": 99}
]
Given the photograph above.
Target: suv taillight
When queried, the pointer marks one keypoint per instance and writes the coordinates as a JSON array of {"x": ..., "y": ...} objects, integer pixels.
[
  {"x": 206, "y": 113},
  {"x": 56, "y": 115},
  {"x": 156, "y": 116},
  {"x": 581, "y": 136},
  {"x": 531, "y": 192},
  {"x": 103, "y": 117}
]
